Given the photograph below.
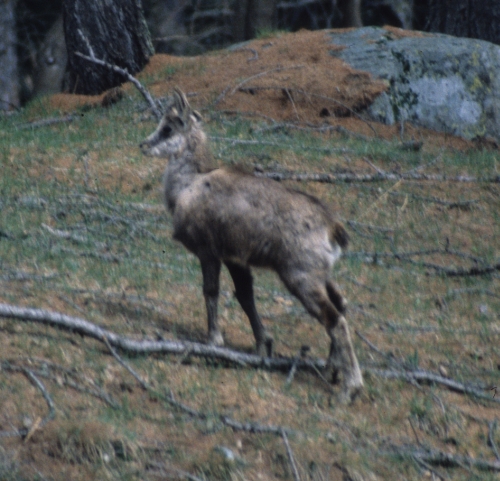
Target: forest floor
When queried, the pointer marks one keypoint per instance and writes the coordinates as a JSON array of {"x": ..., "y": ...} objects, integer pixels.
[{"x": 83, "y": 232}]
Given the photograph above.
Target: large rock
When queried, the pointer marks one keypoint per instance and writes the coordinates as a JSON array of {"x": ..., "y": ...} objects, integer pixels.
[{"x": 437, "y": 81}]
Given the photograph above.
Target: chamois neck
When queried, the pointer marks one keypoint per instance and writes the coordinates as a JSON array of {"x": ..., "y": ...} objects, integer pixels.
[{"x": 181, "y": 171}]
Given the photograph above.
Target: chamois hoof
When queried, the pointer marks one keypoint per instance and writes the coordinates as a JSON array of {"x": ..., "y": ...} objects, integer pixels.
[
  {"x": 215, "y": 339},
  {"x": 349, "y": 394},
  {"x": 265, "y": 348},
  {"x": 331, "y": 374}
]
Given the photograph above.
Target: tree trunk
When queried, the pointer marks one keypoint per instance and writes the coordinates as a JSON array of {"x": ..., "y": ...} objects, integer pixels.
[
  {"x": 111, "y": 30},
  {"x": 462, "y": 18},
  {"x": 9, "y": 95},
  {"x": 351, "y": 13},
  {"x": 252, "y": 16}
]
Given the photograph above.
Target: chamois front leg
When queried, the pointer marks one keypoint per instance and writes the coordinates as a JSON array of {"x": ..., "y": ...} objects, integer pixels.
[
  {"x": 243, "y": 284},
  {"x": 210, "y": 268}
]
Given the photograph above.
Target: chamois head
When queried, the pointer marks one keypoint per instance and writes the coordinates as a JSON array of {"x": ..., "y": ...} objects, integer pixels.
[{"x": 179, "y": 130}]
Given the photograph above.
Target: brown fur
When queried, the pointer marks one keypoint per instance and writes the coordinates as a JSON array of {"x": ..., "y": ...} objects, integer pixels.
[{"x": 227, "y": 216}]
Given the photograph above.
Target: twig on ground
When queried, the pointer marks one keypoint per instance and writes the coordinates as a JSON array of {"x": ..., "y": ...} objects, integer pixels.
[
  {"x": 234, "y": 141},
  {"x": 491, "y": 438},
  {"x": 45, "y": 122},
  {"x": 86, "y": 328},
  {"x": 248, "y": 49},
  {"x": 45, "y": 394},
  {"x": 291, "y": 374},
  {"x": 477, "y": 270},
  {"x": 289, "y": 95},
  {"x": 291, "y": 458},
  {"x": 414, "y": 432},
  {"x": 420, "y": 375},
  {"x": 260, "y": 74},
  {"x": 440, "y": 458},
  {"x": 293, "y": 369},
  {"x": 451, "y": 204},
  {"x": 352, "y": 177},
  {"x": 429, "y": 467},
  {"x": 139, "y": 379},
  {"x": 44, "y": 371},
  {"x": 129, "y": 77},
  {"x": 6, "y": 366},
  {"x": 244, "y": 113},
  {"x": 311, "y": 94},
  {"x": 458, "y": 272},
  {"x": 69, "y": 236},
  {"x": 164, "y": 470},
  {"x": 22, "y": 276}
]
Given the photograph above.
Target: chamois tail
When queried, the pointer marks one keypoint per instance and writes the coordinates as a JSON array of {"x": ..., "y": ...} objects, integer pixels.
[{"x": 339, "y": 234}]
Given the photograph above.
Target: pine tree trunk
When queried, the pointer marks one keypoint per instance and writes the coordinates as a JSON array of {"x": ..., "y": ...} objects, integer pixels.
[
  {"x": 111, "y": 30},
  {"x": 462, "y": 18},
  {"x": 9, "y": 95}
]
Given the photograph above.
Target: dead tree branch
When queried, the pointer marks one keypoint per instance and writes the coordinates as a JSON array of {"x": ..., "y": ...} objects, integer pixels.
[
  {"x": 491, "y": 438},
  {"x": 309, "y": 94},
  {"x": 8, "y": 367},
  {"x": 362, "y": 178},
  {"x": 46, "y": 122},
  {"x": 440, "y": 458},
  {"x": 86, "y": 328},
  {"x": 420, "y": 375},
  {"x": 243, "y": 82},
  {"x": 234, "y": 141},
  {"x": 291, "y": 457},
  {"x": 130, "y": 78},
  {"x": 477, "y": 270},
  {"x": 412, "y": 376}
]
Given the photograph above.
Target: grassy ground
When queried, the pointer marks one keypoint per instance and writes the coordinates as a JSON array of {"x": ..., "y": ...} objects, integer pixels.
[{"x": 83, "y": 232}]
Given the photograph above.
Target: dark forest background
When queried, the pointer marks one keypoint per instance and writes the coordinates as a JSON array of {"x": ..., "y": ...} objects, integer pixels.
[{"x": 37, "y": 35}]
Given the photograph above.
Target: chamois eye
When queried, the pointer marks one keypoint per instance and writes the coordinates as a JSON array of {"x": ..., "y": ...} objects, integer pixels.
[{"x": 166, "y": 130}]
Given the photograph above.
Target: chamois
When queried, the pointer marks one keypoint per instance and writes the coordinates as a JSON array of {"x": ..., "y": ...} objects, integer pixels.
[{"x": 226, "y": 216}]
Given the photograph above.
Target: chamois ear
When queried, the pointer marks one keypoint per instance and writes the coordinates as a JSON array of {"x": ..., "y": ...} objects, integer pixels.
[{"x": 198, "y": 117}]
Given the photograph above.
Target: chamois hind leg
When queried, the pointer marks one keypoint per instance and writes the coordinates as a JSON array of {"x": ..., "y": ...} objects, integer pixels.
[
  {"x": 243, "y": 284},
  {"x": 315, "y": 297},
  {"x": 336, "y": 297},
  {"x": 210, "y": 268},
  {"x": 340, "y": 304}
]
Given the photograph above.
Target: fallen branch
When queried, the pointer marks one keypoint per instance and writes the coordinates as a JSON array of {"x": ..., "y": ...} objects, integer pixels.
[
  {"x": 291, "y": 457},
  {"x": 169, "y": 472},
  {"x": 45, "y": 122},
  {"x": 236, "y": 425},
  {"x": 350, "y": 178},
  {"x": 234, "y": 141},
  {"x": 419, "y": 375},
  {"x": 310, "y": 94},
  {"x": 86, "y": 328},
  {"x": 440, "y": 458},
  {"x": 129, "y": 77},
  {"x": 477, "y": 270},
  {"x": 6, "y": 366},
  {"x": 491, "y": 438},
  {"x": 460, "y": 271},
  {"x": 243, "y": 82}
]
